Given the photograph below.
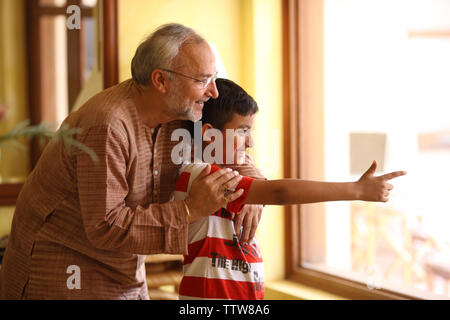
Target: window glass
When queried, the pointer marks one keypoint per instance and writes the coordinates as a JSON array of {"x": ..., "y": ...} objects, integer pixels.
[{"x": 387, "y": 98}]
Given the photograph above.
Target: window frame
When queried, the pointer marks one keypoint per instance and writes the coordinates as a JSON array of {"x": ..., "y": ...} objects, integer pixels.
[
  {"x": 108, "y": 52},
  {"x": 298, "y": 17}
]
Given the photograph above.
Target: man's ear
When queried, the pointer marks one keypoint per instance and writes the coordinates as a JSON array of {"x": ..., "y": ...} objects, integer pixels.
[{"x": 159, "y": 80}]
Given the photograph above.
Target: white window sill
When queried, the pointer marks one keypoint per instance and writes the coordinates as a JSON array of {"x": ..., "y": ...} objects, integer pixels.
[{"x": 289, "y": 290}]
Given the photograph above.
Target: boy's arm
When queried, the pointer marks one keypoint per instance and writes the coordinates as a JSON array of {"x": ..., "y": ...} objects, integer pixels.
[{"x": 294, "y": 191}]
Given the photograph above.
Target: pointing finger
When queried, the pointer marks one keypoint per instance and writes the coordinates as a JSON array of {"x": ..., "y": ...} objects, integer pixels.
[{"x": 392, "y": 175}]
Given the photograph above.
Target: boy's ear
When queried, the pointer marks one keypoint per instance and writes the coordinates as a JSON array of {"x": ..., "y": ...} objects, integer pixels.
[
  {"x": 206, "y": 127},
  {"x": 159, "y": 80}
]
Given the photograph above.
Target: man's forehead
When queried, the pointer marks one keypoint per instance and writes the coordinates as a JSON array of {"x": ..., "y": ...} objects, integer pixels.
[{"x": 196, "y": 58}]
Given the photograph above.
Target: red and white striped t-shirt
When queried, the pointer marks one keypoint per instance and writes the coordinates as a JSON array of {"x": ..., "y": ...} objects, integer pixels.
[{"x": 217, "y": 266}]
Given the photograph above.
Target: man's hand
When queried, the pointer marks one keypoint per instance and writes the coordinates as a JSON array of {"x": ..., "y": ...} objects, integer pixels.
[
  {"x": 371, "y": 188},
  {"x": 249, "y": 218},
  {"x": 207, "y": 194}
]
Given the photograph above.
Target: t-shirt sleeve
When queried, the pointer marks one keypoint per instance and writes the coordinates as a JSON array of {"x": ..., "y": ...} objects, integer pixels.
[
  {"x": 237, "y": 205},
  {"x": 245, "y": 183},
  {"x": 189, "y": 173}
]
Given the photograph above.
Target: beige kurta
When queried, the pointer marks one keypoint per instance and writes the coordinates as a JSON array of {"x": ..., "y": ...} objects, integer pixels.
[{"x": 97, "y": 221}]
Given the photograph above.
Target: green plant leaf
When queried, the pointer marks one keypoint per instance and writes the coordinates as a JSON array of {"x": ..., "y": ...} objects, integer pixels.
[{"x": 43, "y": 133}]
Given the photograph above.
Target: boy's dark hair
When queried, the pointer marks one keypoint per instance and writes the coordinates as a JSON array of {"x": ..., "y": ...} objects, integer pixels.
[{"x": 232, "y": 99}]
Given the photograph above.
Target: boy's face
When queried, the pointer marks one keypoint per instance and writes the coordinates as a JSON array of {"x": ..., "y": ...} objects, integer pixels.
[{"x": 242, "y": 127}]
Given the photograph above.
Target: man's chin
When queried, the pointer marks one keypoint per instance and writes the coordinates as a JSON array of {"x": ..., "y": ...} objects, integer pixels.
[
  {"x": 192, "y": 115},
  {"x": 196, "y": 118},
  {"x": 195, "y": 115}
]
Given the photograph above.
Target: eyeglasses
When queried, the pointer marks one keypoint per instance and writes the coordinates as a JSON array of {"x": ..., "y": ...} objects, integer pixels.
[{"x": 204, "y": 83}]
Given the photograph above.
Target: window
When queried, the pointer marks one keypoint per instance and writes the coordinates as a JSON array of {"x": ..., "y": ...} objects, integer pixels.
[
  {"x": 59, "y": 61},
  {"x": 369, "y": 80}
]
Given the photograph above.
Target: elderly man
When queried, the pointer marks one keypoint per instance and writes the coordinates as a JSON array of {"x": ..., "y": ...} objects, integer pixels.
[{"x": 81, "y": 230}]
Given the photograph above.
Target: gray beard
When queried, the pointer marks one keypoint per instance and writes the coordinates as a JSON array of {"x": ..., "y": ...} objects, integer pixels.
[
  {"x": 182, "y": 112},
  {"x": 185, "y": 112}
]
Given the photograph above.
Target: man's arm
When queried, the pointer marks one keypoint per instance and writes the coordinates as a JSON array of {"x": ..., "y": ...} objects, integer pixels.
[
  {"x": 112, "y": 225},
  {"x": 109, "y": 223}
]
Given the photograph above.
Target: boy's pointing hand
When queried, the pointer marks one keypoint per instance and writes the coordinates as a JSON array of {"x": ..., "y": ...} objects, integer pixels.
[{"x": 371, "y": 188}]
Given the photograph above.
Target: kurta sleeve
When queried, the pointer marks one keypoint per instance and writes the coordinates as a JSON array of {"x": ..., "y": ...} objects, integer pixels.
[{"x": 103, "y": 187}]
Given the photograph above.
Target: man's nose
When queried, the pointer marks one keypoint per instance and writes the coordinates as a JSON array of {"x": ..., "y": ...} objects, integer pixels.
[{"x": 212, "y": 90}]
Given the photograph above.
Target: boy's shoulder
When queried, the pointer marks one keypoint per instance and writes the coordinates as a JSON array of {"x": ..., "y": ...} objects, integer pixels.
[
  {"x": 188, "y": 173},
  {"x": 194, "y": 169}
]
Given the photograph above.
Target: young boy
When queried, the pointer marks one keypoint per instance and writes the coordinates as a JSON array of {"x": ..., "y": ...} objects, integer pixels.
[{"x": 218, "y": 266}]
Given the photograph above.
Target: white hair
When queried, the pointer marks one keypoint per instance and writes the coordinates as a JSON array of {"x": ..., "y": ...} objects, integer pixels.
[{"x": 159, "y": 49}]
